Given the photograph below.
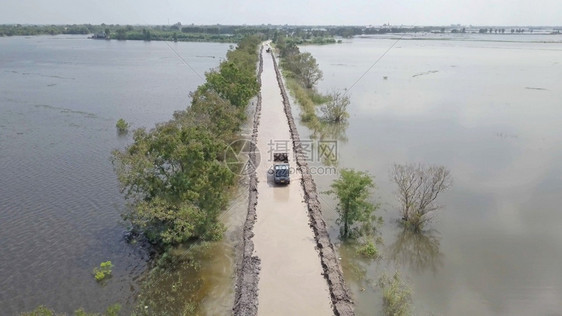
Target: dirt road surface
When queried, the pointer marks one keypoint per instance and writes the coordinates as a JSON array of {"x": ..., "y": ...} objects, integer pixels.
[{"x": 290, "y": 278}]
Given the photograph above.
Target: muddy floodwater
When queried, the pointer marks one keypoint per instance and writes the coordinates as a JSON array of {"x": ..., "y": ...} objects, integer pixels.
[
  {"x": 490, "y": 110},
  {"x": 60, "y": 98}
]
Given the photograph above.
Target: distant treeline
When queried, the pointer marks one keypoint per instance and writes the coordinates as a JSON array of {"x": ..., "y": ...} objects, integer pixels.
[
  {"x": 135, "y": 32},
  {"x": 175, "y": 32},
  {"x": 234, "y": 33}
]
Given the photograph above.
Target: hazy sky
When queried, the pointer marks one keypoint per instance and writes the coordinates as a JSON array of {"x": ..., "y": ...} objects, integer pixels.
[{"x": 310, "y": 12}]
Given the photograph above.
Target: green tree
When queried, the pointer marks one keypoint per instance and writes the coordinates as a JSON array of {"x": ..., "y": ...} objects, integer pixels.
[
  {"x": 175, "y": 178},
  {"x": 232, "y": 83},
  {"x": 245, "y": 61},
  {"x": 305, "y": 68},
  {"x": 353, "y": 190},
  {"x": 289, "y": 50},
  {"x": 213, "y": 113}
]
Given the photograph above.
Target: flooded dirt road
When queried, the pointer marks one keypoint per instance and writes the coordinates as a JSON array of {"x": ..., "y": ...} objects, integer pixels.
[{"x": 290, "y": 279}]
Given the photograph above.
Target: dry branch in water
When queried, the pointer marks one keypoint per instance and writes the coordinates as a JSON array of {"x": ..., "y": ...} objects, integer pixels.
[{"x": 418, "y": 188}]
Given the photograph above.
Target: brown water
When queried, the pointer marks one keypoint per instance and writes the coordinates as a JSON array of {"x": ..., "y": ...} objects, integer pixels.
[
  {"x": 218, "y": 268},
  {"x": 490, "y": 111},
  {"x": 59, "y": 198}
]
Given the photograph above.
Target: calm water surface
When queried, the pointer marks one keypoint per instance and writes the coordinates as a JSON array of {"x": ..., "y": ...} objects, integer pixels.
[
  {"x": 59, "y": 198},
  {"x": 489, "y": 111}
]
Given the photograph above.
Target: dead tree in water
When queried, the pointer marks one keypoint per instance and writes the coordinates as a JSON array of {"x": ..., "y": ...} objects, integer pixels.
[{"x": 418, "y": 188}]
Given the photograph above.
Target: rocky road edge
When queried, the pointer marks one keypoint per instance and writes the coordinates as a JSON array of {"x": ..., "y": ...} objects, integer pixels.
[
  {"x": 247, "y": 274},
  {"x": 342, "y": 303}
]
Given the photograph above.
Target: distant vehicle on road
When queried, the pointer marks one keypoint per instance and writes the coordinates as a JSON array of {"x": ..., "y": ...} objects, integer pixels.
[{"x": 281, "y": 171}]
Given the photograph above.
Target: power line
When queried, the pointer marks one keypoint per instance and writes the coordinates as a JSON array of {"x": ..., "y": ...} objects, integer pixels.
[
  {"x": 373, "y": 65},
  {"x": 179, "y": 56},
  {"x": 184, "y": 61}
]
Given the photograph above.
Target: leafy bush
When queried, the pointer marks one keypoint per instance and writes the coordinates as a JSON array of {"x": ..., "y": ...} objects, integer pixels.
[
  {"x": 122, "y": 126},
  {"x": 103, "y": 271},
  {"x": 368, "y": 250}
]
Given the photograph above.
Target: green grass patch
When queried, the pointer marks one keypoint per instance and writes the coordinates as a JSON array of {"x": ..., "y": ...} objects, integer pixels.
[{"x": 308, "y": 99}]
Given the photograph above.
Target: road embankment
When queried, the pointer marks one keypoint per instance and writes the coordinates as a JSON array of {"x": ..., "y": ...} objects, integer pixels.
[
  {"x": 289, "y": 265},
  {"x": 339, "y": 293},
  {"x": 247, "y": 275}
]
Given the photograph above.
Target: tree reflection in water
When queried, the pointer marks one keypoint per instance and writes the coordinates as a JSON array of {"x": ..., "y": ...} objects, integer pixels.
[
  {"x": 417, "y": 250},
  {"x": 328, "y": 136},
  {"x": 331, "y": 131}
]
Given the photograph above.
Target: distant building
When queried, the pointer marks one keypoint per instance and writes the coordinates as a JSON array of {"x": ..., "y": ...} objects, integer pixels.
[{"x": 99, "y": 36}]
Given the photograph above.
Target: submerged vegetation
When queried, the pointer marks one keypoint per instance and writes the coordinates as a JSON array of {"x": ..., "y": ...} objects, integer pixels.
[
  {"x": 368, "y": 250},
  {"x": 396, "y": 296},
  {"x": 42, "y": 310},
  {"x": 103, "y": 271},
  {"x": 173, "y": 285},
  {"x": 122, "y": 126},
  {"x": 308, "y": 99}
]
